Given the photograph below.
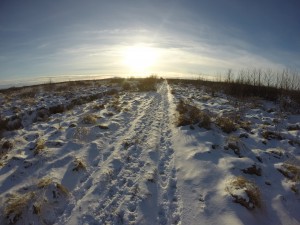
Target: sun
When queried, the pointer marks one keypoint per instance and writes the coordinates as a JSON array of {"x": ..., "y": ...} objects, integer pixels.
[{"x": 140, "y": 58}]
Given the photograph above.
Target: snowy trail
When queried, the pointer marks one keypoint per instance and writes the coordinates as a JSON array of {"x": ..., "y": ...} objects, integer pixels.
[{"x": 137, "y": 182}]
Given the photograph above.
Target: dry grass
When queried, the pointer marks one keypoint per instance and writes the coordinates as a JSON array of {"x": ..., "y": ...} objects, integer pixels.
[
  {"x": 81, "y": 133},
  {"x": 115, "y": 105},
  {"x": 79, "y": 165},
  {"x": 14, "y": 123},
  {"x": 98, "y": 107},
  {"x": 148, "y": 84},
  {"x": 189, "y": 114},
  {"x": 44, "y": 182},
  {"x": 234, "y": 143},
  {"x": 103, "y": 126},
  {"x": 290, "y": 171},
  {"x": 89, "y": 119},
  {"x": 276, "y": 152},
  {"x": 205, "y": 120},
  {"x": 246, "y": 125},
  {"x": 16, "y": 204},
  {"x": 251, "y": 190},
  {"x": 20, "y": 207},
  {"x": 39, "y": 146},
  {"x": 271, "y": 135},
  {"x": 253, "y": 170},
  {"x": 62, "y": 189},
  {"x": 7, "y": 145},
  {"x": 226, "y": 124}
]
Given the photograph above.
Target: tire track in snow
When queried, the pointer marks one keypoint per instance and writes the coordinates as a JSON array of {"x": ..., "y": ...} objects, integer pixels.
[
  {"x": 112, "y": 192},
  {"x": 84, "y": 187},
  {"x": 169, "y": 200}
]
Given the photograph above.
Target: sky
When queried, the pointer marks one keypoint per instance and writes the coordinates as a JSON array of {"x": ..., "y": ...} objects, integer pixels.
[{"x": 43, "y": 38}]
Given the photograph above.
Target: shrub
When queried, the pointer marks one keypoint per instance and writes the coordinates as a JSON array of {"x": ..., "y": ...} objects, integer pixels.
[
  {"x": 226, "y": 124},
  {"x": 238, "y": 187}
]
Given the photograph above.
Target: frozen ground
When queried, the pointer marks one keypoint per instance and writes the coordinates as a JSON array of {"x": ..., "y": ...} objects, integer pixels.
[{"x": 117, "y": 157}]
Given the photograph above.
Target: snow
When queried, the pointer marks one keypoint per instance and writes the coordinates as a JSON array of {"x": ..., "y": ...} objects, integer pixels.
[{"x": 138, "y": 167}]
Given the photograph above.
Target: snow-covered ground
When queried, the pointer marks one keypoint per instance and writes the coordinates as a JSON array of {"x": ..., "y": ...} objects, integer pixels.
[{"x": 118, "y": 157}]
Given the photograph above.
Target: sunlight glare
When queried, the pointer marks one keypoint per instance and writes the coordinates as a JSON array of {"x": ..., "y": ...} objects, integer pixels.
[{"x": 140, "y": 58}]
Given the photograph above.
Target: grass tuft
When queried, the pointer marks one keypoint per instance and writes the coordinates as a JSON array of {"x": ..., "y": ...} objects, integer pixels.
[
  {"x": 39, "y": 146},
  {"x": 89, "y": 119},
  {"x": 44, "y": 182},
  {"x": 244, "y": 192},
  {"x": 79, "y": 165},
  {"x": 226, "y": 124},
  {"x": 16, "y": 204},
  {"x": 290, "y": 171}
]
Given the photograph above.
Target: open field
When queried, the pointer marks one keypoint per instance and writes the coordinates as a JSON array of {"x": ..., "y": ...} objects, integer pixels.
[{"x": 148, "y": 151}]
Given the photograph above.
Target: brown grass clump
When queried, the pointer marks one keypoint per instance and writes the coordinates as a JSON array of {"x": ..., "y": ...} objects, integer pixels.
[
  {"x": 3, "y": 124},
  {"x": 148, "y": 84},
  {"x": 103, "y": 126},
  {"x": 7, "y": 145},
  {"x": 188, "y": 114},
  {"x": 44, "y": 182},
  {"x": 79, "y": 165},
  {"x": 16, "y": 205},
  {"x": 98, "y": 106},
  {"x": 126, "y": 86},
  {"x": 226, "y": 124},
  {"x": 246, "y": 125},
  {"x": 271, "y": 135},
  {"x": 89, "y": 119},
  {"x": 14, "y": 123},
  {"x": 39, "y": 146},
  {"x": 290, "y": 171},
  {"x": 205, "y": 120},
  {"x": 293, "y": 127},
  {"x": 62, "y": 189},
  {"x": 115, "y": 105},
  {"x": 21, "y": 207},
  {"x": 240, "y": 184},
  {"x": 56, "y": 109},
  {"x": 234, "y": 143},
  {"x": 253, "y": 170}
]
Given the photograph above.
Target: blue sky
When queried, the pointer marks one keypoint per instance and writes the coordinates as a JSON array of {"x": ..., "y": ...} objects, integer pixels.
[{"x": 40, "y": 38}]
